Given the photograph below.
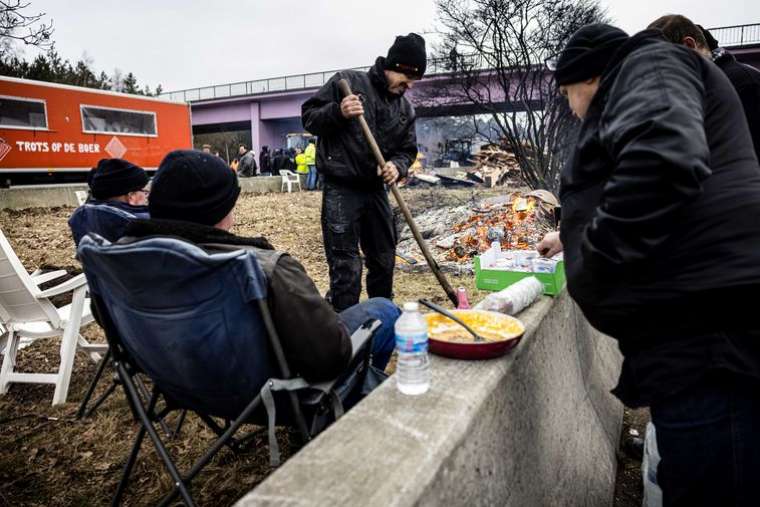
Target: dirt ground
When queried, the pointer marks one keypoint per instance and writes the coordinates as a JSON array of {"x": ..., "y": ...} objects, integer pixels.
[{"x": 49, "y": 458}]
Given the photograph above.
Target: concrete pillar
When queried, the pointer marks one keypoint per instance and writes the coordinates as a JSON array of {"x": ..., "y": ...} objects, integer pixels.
[{"x": 256, "y": 128}]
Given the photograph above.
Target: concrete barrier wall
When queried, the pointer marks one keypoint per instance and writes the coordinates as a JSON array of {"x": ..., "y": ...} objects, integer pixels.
[
  {"x": 35, "y": 196},
  {"x": 537, "y": 427}
]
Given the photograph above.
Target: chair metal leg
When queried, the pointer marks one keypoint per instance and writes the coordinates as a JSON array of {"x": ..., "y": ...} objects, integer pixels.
[
  {"x": 128, "y": 466},
  {"x": 218, "y": 444},
  {"x": 181, "y": 420},
  {"x": 101, "y": 399},
  {"x": 179, "y": 483},
  {"x": 143, "y": 390},
  {"x": 90, "y": 390}
]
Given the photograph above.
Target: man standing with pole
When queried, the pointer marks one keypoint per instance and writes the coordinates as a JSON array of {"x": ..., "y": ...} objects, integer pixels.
[{"x": 355, "y": 206}]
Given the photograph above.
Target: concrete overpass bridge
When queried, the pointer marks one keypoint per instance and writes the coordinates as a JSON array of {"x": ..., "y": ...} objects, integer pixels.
[{"x": 271, "y": 108}]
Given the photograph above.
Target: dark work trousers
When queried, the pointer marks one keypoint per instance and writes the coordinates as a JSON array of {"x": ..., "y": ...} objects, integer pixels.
[
  {"x": 708, "y": 437},
  {"x": 353, "y": 218}
]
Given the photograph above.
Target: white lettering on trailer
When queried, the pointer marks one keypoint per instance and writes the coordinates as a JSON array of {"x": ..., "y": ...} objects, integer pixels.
[
  {"x": 89, "y": 148},
  {"x": 34, "y": 146},
  {"x": 45, "y": 147}
]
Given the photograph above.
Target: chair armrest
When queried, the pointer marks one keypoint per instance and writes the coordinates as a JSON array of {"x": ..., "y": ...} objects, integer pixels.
[
  {"x": 40, "y": 278},
  {"x": 362, "y": 336},
  {"x": 67, "y": 286},
  {"x": 359, "y": 340}
]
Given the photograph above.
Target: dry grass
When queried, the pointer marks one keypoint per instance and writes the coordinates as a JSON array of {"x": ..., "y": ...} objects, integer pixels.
[{"x": 49, "y": 458}]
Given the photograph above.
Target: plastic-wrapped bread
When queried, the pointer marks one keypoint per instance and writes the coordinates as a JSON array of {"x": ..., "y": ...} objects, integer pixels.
[{"x": 514, "y": 298}]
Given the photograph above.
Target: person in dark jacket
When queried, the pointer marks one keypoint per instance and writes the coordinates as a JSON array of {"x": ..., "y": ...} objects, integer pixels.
[
  {"x": 265, "y": 161},
  {"x": 279, "y": 161},
  {"x": 247, "y": 165},
  {"x": 660, "y": 206},
  {"x": 355, "y": 207},
  {"x": 118, "y": 195},
  {"x": 193, "y": 197},
  {"x": 746, "y": 79}
]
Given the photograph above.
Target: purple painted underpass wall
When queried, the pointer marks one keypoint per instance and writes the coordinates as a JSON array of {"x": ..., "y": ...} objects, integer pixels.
[
  {"x": 283, "y": 108},
  {"x": 221, "y": 113}
]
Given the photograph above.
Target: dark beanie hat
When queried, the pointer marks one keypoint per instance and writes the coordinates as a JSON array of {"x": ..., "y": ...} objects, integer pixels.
[
  {"x": 712, "y": 42},
  {"x": 407, "y": 55},
  {"x": 193, "y": 186},
  {"x": 588, "y": 52},
  {"x": 114, "y": 176}
]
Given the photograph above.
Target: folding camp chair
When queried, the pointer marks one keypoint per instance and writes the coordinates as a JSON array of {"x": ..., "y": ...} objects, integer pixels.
[
  {"x": 199, "y": 326},
  {"x": 111, "y": 223},
  {"x": 27, "y": 314}
]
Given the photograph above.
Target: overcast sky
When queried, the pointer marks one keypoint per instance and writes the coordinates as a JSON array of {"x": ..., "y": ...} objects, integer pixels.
[{"x": 187, "y": 43}]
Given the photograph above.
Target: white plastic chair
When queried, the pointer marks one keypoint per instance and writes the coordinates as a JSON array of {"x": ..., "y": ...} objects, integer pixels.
[
  {"x": 26, "y": 314},
  {"x": 81, "y": 196},
  {"x": 289, "y": 178}
]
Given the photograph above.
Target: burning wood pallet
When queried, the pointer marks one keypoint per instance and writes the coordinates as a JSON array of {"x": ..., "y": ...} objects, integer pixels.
[{"x": 459, "y": 234}]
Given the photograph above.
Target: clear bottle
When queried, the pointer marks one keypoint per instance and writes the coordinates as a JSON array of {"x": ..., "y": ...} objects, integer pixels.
[{"x": 413, "y": 366}]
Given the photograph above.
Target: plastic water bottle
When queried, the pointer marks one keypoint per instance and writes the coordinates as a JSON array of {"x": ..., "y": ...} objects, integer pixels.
[{"x": 413, "y": 366}]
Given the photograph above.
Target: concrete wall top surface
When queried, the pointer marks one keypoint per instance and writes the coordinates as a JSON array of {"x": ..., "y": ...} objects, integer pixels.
[
  {"x": 48, "y": 196},
  {"x": 537, "y": 427}
]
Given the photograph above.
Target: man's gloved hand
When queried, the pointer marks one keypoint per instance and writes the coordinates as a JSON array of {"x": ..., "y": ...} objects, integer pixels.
[
  {"x": 351, "y": 107},
  {"x": 389, "y": 173}
]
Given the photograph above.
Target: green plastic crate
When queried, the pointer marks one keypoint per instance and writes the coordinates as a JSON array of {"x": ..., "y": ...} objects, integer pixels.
[{"x": 496, "y": 279}]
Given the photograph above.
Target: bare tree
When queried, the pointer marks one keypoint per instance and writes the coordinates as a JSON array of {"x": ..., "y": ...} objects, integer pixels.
[
  {"x": 17, "y": 25},
  {"x": 495, "y": 52}
]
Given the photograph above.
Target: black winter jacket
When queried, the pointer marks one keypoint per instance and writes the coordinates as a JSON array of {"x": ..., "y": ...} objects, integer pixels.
[
  {"x": 746, "y": 80},
  {"x": 343, "y": 155},
  {"x": 661, "y": 200}
]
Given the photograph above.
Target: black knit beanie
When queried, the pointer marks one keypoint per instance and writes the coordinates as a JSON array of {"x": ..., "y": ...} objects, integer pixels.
[
  {"x": 114, "y": 176},
  {"x": 588, "y": 52},
  {"x": 712, "y": 42},
  {"x": 194, "y": 187},
  {"x": 407, "y": 55}
]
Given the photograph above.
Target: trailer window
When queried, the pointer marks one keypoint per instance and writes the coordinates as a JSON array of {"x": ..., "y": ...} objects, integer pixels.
[
  {"x": 99, "y": 120},
  {"x": 22, "y": 113}
]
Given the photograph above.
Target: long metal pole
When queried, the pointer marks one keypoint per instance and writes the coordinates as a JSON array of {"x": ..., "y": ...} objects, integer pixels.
[{"x": 346, "y": 90}]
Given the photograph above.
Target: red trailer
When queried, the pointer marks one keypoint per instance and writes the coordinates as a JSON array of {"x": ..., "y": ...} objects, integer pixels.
[{"x": 55, "y": 132}]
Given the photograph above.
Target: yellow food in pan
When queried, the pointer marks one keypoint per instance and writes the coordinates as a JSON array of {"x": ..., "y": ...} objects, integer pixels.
[{"x": 492, "y": 326}]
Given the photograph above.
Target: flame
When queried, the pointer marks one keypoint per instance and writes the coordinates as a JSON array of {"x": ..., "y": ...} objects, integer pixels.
[
  {"x": 523, "y": 205},
  {"x": 518, "y": 221}
]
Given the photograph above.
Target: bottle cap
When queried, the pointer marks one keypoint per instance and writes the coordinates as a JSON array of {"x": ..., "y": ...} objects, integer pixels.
[{"x": 411, "y": 306}]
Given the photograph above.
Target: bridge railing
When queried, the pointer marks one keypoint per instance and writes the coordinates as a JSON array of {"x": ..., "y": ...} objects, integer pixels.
[
  {"x": 737, "y": 36},
  {"x": 277, "y": 84},
  {"x": 255, "y": 87}
]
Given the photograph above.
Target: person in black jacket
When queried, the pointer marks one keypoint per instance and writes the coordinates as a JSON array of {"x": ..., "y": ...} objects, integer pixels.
[
  {"x": 661, "y": 235},
  {"x": 247, "y": 166},
  {"x": 746, "y": 79},
  {"x": 355, "y": 207},
  {"x": 193, "y": 197},
  {"x": 265, "y": 161}
]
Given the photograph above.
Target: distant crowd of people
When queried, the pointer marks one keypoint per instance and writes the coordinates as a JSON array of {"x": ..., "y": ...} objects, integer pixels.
[{"x": 270, "y": 163}]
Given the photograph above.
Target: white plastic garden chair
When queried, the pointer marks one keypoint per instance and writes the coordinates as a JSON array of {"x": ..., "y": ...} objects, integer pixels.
[
  {"x": 81, "y": 196},
  {"x": 26, "y": 314},
  {"x": 289, "y": 178}
]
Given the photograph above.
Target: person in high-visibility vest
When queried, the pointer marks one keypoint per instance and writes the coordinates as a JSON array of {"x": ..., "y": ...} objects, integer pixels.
[
  {"x": 311, "y": 161},
  {"x": 301, "y": 167}
]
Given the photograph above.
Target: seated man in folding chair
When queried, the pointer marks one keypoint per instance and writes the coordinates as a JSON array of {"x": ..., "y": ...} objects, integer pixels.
[
  {"x": 193, "y": 196},
  {"x": 118, "y": 195},
  {"x": 225, "y": 326}
]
